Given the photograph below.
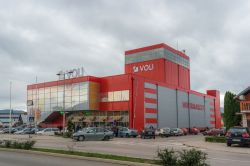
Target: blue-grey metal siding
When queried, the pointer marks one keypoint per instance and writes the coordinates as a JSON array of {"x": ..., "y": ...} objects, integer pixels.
[
  {"x": 167, "y": 112},
  {"x": 183, "y": 119},
  {"x": 197, "y": 117}
]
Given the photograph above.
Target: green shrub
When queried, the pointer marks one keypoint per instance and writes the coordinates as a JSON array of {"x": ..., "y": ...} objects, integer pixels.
[
  {"x": 7, "y": 143},
  {"x": 67, "y": 134},
  {"x": 167, "y": 157},
  {"x": 16, "y": 145},
  {"x": 19, "y": 145},
  {"x": 191, "y": 157},
  {"x": 215, "y": 139},
  {"x": 28, "y": 144}
]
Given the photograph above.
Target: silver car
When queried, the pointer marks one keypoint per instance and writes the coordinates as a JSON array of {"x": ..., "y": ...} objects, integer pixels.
[{"x": 93, "y": 134}]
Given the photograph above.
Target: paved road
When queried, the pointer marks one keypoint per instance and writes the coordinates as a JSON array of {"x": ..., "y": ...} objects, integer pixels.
[
  {"x": 218, "y": 154},
  {"x": 22, "y": 159}
]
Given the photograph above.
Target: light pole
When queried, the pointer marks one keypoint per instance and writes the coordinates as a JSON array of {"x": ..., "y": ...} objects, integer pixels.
[
  {"x": 63, "y": 74},
  {"x": 10, "y": 110}
]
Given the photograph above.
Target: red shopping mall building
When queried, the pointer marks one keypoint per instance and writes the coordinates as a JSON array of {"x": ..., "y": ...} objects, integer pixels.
[{"x": 154, "y": 91}]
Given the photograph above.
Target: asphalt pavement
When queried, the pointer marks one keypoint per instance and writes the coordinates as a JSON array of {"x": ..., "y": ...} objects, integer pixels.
[
  {"x": 23, "y": 159},
  {"x": 218, "y": 153}
]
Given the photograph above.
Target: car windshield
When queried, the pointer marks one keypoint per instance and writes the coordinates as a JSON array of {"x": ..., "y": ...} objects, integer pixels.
[{"x": 238, "y": 130}]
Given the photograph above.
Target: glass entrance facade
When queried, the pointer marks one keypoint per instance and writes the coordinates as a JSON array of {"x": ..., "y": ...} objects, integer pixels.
[
  {"x": 99, "y": 118},
  {"x": 69, "y": 97}
]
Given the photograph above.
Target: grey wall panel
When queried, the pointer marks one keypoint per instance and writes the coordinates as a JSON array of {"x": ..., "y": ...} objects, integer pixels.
[
  {"x": 167, "y": 115},
  {"x": 150, "y": 105},
  {"x": 150, "y": 86},
  {"x": 151, "y": 115},
  {"x": 150, "y": 95},
  {"x": 183, "y": 119},
  {"x": 207, "y": 112},
  {"x": 197, "y": 117}
]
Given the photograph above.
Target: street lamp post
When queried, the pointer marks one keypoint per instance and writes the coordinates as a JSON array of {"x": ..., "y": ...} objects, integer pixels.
[
  {"x": 10, "y": 118},
  {"x": 64, "y": 116}
]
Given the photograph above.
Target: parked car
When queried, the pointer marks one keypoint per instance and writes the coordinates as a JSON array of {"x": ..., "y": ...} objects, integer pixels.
[
  {"x": 194, "y": 131},
  {"x": 222, "y": 131},
  {"x": 176, "y": 132},
  {"x": 93, "y": 134},
  {"x": 148, "y": 133},
  {"x": 48, "y": 131},
  {"x": 238, "y": 135},
  {"x": 212, "y": 132},
  {"x": 126, "y": 132},
  {"x": 4, "y": 131},
  {"x": 185, "y": 131},
  {"x": 163, "y": 132},
  {"x": 23, "y": 131}
]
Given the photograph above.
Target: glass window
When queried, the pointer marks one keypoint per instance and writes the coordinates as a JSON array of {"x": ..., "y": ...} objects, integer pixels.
[
  {"x": 67, "y": 93},
  {"x": 41, "y": 90},
  {"x": 75, "y": 86},
  {"x": 60, "y": 94},
  {"x": 83, "y": 98},
  {"x": 54, "y": 95},
  {"x": 110, "y": 96},
  {"x": 29, "y": 92},
  {"x": 47, "y": 90},
  {"x": 75, "y": 93},
  {"x": 117, "y": 96},
  {"x": 75, "y": 98},
  {"x": 47, "y": 95},
  {"x": 67, "y": 99},
  {"x": 68, "y": 87},
  {"x": 53, "y": 89},
  {"x": 60, "y": 88},
  {"x": 125, "y": 95}
]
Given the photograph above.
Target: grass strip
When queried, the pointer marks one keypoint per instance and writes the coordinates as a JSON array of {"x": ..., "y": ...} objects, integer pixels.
[
  {"x": 216, "y": 139},
  {"x": 96, "y": 155}
]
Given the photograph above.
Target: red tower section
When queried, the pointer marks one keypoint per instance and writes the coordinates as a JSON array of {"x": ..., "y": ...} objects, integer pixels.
[{"x": 159, "y": 62}]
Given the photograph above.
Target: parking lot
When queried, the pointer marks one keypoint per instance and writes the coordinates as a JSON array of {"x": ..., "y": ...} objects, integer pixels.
[
  {"x": 138, "y": 147},
  {"x": 218, "y": 153}
]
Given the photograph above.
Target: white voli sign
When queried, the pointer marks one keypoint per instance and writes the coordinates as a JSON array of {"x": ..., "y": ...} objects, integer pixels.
[
  {"x": 142, "y": 68},
  {"x": 73, "y": 73}
]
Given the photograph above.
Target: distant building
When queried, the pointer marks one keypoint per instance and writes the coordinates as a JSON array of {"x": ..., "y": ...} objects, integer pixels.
[
  {"x": 244, "y": 98},
  {"x": 16, "y": 116}
]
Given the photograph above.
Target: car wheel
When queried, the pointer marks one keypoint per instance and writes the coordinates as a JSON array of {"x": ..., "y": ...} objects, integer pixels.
[
  {"x": 229, "y": 144},
  {"x": 81, "y": 138},
  {"x": 106, "y": 138},
  {"x": 134, "y": 136},
  {"x": 127, "y": 135}
]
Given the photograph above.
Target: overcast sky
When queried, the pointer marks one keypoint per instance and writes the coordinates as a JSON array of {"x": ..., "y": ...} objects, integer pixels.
[{"x": 41, "y": 37}]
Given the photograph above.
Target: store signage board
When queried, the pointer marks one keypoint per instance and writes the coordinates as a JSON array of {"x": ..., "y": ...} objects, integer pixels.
[{"x": 72, "y": 73}]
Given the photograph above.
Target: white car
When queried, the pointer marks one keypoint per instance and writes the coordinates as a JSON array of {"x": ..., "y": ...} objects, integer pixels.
[
  {"x": 48, "y": 131},
  {"x": 163, "y": 132}
]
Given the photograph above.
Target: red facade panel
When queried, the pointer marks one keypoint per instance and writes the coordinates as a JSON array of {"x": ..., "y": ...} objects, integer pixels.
[
  {"x": 217, "y": 112},
  {"x": 171, "y": 73},
  {"x": 184, "y": 77},
  {"x": 115, "y": 83},
  {"x": 114, "y": 106},
  {"x": 137, "y": 112},
  {"x": 153, "y": 69}
]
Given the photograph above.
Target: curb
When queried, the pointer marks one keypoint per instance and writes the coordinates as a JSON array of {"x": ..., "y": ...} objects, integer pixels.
[{"x": 127, "y": 163}]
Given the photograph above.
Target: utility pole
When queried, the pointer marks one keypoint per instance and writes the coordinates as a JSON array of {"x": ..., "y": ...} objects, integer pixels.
[{"x": 10, "y": 118}]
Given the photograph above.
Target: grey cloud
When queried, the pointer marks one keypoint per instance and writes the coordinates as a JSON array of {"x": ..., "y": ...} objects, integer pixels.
[{"x": 39, "y": 38}]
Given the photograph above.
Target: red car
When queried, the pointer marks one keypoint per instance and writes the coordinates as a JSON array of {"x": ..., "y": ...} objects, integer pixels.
[
  {"x": 194, "y": 131},
  {"x": 185, "y": 131}
]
